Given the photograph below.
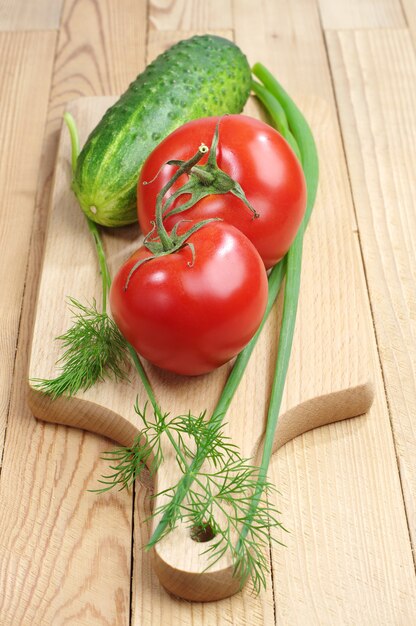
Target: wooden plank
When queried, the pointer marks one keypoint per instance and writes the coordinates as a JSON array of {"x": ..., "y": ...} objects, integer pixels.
[
  {"x": 100, "y": 50},
  {"x": 374, "y": 80},
  {"x": 23, "y": 15},
  {"x": 190, "y": 15},
  {"x": 25, "y": 76},
  {"x": 65, "y": 553},
  {"x": 278, "y": 35},
  {"x": 361, "y": 14},
  {"x": 159, "y": 41},
  {"x": 341, "y": 564},
  {"x": 347, "y": 560},
  {"x": 348, "y": 551}
]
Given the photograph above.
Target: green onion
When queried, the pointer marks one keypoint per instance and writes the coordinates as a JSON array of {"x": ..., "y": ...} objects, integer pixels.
[
  {"x": 300, "y": 130},
  {"x": 309, "y": 158},
  {"x": 277, "y": 114},
  {"x": 293, "y": 126}
]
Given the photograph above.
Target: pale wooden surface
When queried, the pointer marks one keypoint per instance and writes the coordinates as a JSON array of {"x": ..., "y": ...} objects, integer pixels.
[
  {"x": 359, "y": 14},
  {"x": 20, "y": 15},
  {"x": 24, "y": 54},
  {"x": 349, "y": 556},
  {"x": 330, "y": 381},
  {"x": 383, "y": 122}
]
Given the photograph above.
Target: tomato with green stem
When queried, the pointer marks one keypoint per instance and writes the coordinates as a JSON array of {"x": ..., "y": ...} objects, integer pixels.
[
  {"x": 190, "y": 300},
  {"x": 247, "y": 157},
  {"x": 193, "y": 310}
]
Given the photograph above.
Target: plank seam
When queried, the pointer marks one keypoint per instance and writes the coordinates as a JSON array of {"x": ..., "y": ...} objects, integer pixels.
[
  {"x": 272, "y": 580},
  {"x": 132, "y": 547},
  {"x": 404, "y": 13},
  {"x": 367, "y": 281},
  {"x": 364, "y": 29},
  {"x": 134, "y": 490},
  {"x": 408, "y": 25}
]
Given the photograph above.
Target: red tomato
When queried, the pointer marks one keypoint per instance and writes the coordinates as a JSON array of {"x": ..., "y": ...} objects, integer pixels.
[
  {"x": 257, "y": 157},
  {"x": 191, "y": 314}
]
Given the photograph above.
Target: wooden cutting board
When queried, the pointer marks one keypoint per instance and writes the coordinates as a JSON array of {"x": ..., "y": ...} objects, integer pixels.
[{"x": 329, "y": 376}]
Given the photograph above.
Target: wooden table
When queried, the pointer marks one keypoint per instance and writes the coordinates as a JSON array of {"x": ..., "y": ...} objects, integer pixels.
[{"x": 349, "y": 489}]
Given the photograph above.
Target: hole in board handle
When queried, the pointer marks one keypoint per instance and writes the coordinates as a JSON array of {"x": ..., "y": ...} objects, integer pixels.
[{"x": 202, "y": 533}]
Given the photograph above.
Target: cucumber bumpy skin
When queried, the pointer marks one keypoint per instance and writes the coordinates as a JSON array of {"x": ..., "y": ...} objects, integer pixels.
[{"x": 198, "y": 77}]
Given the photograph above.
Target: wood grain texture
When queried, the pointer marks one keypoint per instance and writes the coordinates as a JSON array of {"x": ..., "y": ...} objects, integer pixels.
[
  {"x": 64, "y": 554},
  {"x": 190, "y": 15},
  {"x": 19, "y": 15},
  {"x": 377, "y": 103},
  {"x": 336, "y": 501},
  {"x": 348, "y": 558},
  {"x": 409, "y": 9},
  {"x": 341, "y": 496},
  {"x": 337, "y": 370},
  {"x": 23, "y": 56},
  {"x": 282, "y": 34},
  {"x": 355, "y": 14},
  {"x": 100, "y": 50}
]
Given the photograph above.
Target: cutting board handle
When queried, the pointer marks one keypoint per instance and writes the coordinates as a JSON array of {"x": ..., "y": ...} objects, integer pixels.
[
  {"x": 178, "y": 559},
  {"x": 179, "y": 562},
  {"x": 329, "y": 370}
]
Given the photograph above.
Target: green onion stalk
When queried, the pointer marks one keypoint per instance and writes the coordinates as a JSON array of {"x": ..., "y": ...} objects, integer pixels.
[
  {"x": 268, "y": 93},
  {"x": 290, "y": 122}
]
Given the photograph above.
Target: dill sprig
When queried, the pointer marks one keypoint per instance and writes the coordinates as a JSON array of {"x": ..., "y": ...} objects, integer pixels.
[
  {"x": 94, "y": 350},
  {"x": 94, "y": 347},
  {"x": 215, "y": 509},
  {"x": 214, "y": 501},
  {"x": 187, "y": 433}
]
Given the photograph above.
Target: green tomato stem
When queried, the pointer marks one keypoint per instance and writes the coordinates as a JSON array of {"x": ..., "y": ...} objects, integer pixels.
[
  {"x": 185, "y": 167},
  {"x": 206, "y": 180}
]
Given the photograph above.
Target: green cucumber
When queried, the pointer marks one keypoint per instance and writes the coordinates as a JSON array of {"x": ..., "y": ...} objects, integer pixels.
[{"x": 201, "y": 76}]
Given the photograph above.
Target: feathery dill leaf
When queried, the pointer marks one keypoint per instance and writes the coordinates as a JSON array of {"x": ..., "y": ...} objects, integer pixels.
[
  {"x": 94, "y": 350},
  {"x": 213, "y": 502}
]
